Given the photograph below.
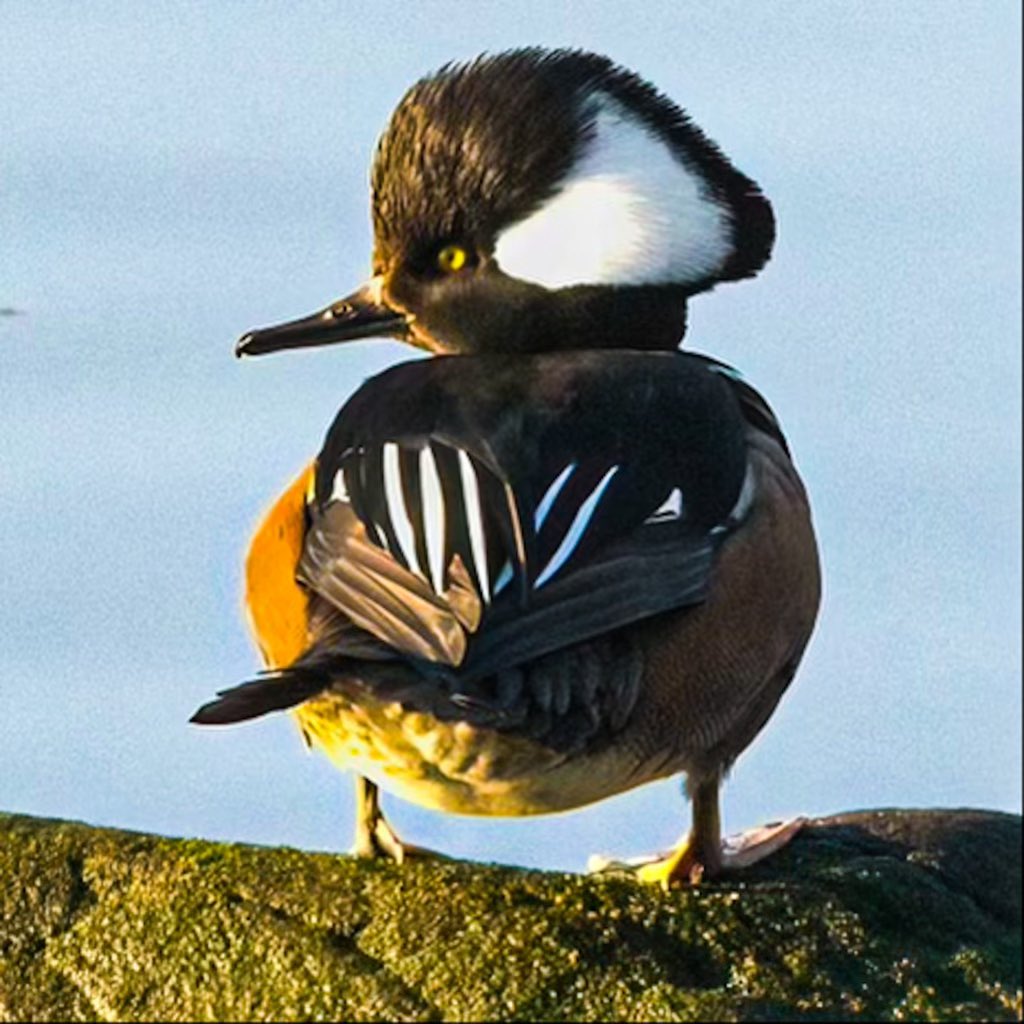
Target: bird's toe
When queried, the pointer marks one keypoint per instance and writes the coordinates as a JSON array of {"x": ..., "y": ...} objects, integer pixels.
[
  {"x": 688, "y": 865},
  {"x": 681, "y": 866},
  {"x": 381, "y": 842},
  {"x": 747, "y": 848}
]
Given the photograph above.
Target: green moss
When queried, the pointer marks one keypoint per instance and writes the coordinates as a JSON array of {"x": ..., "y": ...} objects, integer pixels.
[{"x": 893, "y": 916}]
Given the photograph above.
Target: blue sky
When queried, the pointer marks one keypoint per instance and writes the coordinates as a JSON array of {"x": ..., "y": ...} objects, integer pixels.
[{"x": 173, "y": 177}]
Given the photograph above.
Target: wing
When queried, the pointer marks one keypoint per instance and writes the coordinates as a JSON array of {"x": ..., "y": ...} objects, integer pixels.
[{"x": 479, "y": 512}]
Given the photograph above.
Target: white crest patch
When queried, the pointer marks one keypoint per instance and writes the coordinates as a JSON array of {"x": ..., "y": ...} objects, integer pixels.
[{"x": 630, "y": 212}]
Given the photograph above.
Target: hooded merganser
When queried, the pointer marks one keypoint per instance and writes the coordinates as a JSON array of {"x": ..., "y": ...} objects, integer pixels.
[{"x": 566, "y": 559}]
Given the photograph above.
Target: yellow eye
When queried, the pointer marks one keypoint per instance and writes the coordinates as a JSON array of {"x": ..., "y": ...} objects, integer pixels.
[{"x": 452, "y": 258}]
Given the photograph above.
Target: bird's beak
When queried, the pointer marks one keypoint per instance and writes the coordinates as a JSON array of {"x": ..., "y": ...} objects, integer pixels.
[{"x": 363, "y": 314}]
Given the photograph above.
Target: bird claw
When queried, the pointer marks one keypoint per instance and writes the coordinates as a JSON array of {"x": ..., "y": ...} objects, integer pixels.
[
  {"x": 683, "y": 865},
  {"x": 380, "y": 842},
  {"x": 680, "y": 866}
]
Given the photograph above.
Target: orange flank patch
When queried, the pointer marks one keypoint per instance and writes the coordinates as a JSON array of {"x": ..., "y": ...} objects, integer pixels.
[{"x": 276, "y": 604}]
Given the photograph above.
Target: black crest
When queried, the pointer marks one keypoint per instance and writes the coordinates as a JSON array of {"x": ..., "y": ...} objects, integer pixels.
[{"x": 478, "y": 146}]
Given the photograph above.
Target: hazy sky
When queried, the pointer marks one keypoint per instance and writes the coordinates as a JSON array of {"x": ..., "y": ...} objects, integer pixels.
[{"x": 171, "y": 175}]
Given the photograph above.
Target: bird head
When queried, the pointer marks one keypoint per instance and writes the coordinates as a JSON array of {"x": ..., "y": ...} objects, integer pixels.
[{"x": 541, "y": 200}]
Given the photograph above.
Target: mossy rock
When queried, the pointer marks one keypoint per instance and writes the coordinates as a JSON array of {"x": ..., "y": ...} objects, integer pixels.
[{"x": 883, "y": 915}]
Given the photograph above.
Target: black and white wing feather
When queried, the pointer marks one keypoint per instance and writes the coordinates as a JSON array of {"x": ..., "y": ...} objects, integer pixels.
[{"x": 480, "y": 512}]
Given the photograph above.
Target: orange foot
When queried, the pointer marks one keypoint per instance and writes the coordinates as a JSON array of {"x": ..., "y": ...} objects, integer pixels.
[{"x": 684, "y": 866}]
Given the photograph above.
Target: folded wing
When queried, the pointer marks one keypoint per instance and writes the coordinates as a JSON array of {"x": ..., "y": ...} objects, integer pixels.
[{"x": 477, "y": 513}]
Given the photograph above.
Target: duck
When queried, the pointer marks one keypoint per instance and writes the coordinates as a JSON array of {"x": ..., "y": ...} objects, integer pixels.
[{"x": 562, "y": 558}]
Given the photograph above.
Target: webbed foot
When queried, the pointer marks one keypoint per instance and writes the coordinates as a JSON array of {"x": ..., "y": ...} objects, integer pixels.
[
  {"x": 686, "y": 866},
  {"x": 703, "y": 853},
  {"x": 375, "y": 838}
]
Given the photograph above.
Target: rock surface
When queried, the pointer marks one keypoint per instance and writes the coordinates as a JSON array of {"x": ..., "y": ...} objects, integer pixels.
[{"x": 882, "y": 915}]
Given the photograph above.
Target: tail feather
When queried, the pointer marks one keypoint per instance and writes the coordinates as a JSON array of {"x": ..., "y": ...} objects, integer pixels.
[{"x": 275, "y": 691}]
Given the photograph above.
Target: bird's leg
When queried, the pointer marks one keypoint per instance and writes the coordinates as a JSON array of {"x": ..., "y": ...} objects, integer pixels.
[
  {"x": 375, "y": 838},
  {"x": 699, "y": 854},
  {"x": 703, "y": 854}
]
